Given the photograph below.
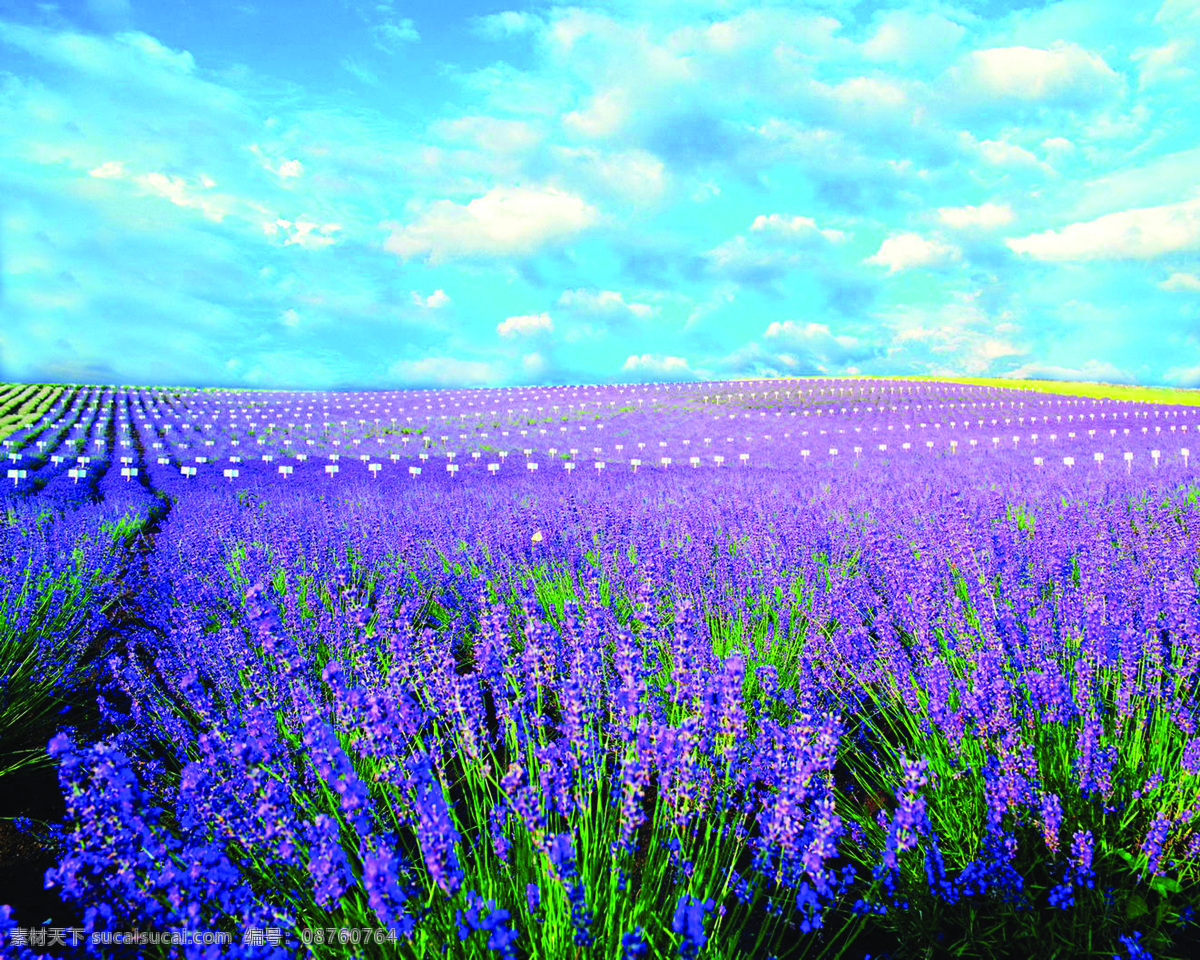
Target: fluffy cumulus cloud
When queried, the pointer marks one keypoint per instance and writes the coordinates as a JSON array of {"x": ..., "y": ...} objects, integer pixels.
[
  {"x": 634, "y": 177},
  {"x": 623, "y": 190},
  {"x": 817, "y": 340},
  {"x": 603, "y": 302},
  {"x": 1063, "y": 74},
  {"x": 656, "y": 365},
  {"x": 445, "y": 371},
  {"x": 1092, "y": 371},
  {"x": 435, "y": 300},
  {"x": 799, "y": 348},
  {"x": 960, "y": 333},
  {"x": 490, "y": 134},
  {"x": 794, "y": 229},
  {"x": 748, "y": 263},
  {"x": 393, "y": 36},
  {"x": 504, "y": 222},
  {"x": 176, "y": 190},
  {"x": 1169, "y": 63},
  {"x": 906, "y": 251},
  {"x": 302, "y": 233},
  {"x": 523, "y": 326},
  {"x": 1181, "y": 283},
  {"x": 506, "y": 24},
  {"x": 985, "y": 216},
  {"x": 776, "y": 246},
  {"x": 909, "y": 38},
  {"x": 1140, "y": 234}
]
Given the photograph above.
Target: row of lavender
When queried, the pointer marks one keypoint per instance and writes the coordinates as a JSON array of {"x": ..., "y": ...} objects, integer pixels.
[
  {"x": 531, "y": 711},
  {"x": 857, "y": 645},
  {"x": 201, "y": 434}
]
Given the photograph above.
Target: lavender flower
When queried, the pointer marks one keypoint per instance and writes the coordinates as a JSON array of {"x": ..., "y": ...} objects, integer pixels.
[
  {"x": 1052, "y": 815},
  {"x": 633, "y": 945},
  {"x": 436, "y": 832},
  {"x": 688, "y": 924},
  {"x": 1152, "y": 846}
]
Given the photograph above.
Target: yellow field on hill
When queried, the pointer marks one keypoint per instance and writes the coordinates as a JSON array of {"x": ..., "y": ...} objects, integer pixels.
[{"x": 1072, "y": 388}]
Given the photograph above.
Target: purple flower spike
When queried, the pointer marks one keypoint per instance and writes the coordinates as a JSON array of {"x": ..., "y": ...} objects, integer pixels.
[{"x": 688, "y": 923}]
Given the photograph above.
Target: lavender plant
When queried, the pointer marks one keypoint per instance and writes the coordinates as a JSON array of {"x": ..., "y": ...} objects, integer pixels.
[{"x": 799, "y": 709}]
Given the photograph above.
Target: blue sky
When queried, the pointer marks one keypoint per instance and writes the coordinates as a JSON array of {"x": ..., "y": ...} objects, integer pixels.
[{"x": 371, "y": 193}]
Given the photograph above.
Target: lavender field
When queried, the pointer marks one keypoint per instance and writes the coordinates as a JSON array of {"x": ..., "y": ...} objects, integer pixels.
[{"x": 791, "y": 669}]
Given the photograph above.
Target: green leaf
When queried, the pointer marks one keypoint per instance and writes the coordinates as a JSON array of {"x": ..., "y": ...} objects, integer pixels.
[
  {"x": 1135, "y": 906},
  {"x": 1165, "y": 885}
]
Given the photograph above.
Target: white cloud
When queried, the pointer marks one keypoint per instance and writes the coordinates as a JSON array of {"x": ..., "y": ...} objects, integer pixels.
[
  {"x": 490, "y": 134},
  {"x": 794, "y": 331},
  {"x": 1181, "y": 282},
  {"x": 1058, "y": 146},
  {"x": 603, "y": 116},
  {"x": 794, "y": 228},
  {"x": 533, "y": 363},
  {"x": 286, "y": 168},
  {"x": 859, "y": 95},
  {"x": 1064, "y": 73},
  {"x": 959, "y": 330},
  {"x": 905, "y": 250},
  {"x": 1096, "y": 371},
  {"x": 290, "y": 318},
  {"x": 445, "y": 371},
  {"x": 603, "y": 301},
  {"x": 175, "y": 189},
  {"x": 656, "y": 364},
  {"x": 436, "y": 299},
  {"x": 1178, "y": 11},
  {"x": 632, "y": 176},
  {"x": 907, "y": 38},
  {"x": 993, "y": 349},
  {"x": 505, "y": 221},
  {"x": 525, "y": 325},
  {"x": 300, "y": 233},
  {"x": 816, "y": 341},
  {"x": 108, "y": 170},
  {"x": 359, "y": 71},
  {"x": 986, "y": 215},
  {"x": 1186, "y": 377},
  {"x": 1139, "y": 234},
  {"x": 748, "y": 263},
  {"x": 1165, "y": 63},
  {"x": 393, "y": 37},
  {"x": 1001, "y": 153},
  {"x": 509, "y": 23}
]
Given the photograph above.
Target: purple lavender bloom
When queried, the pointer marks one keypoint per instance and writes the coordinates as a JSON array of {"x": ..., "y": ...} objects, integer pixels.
[
  {"x": 909, "y": 820},
  {"x": 1136, "y": 950},
  {"x": 688, "y": 923},
  {"x": 327, "y": 864},
  {"x": 497, "y": 818},
  {"x": 1156, "y": 836},
  {"x": 823, "y": 846},
  {"x": 1081, "y": 853},
  {"x": 635, "y": 777},
  {"x": 381, "y": 878},
  {"x": 1191, "y": 756},
  {"x": 436, "y": 831},
  {"x": 633, "y": 945},
  {"x": 1052, "y": 815},
  {"x": 490, "y": 919}
]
